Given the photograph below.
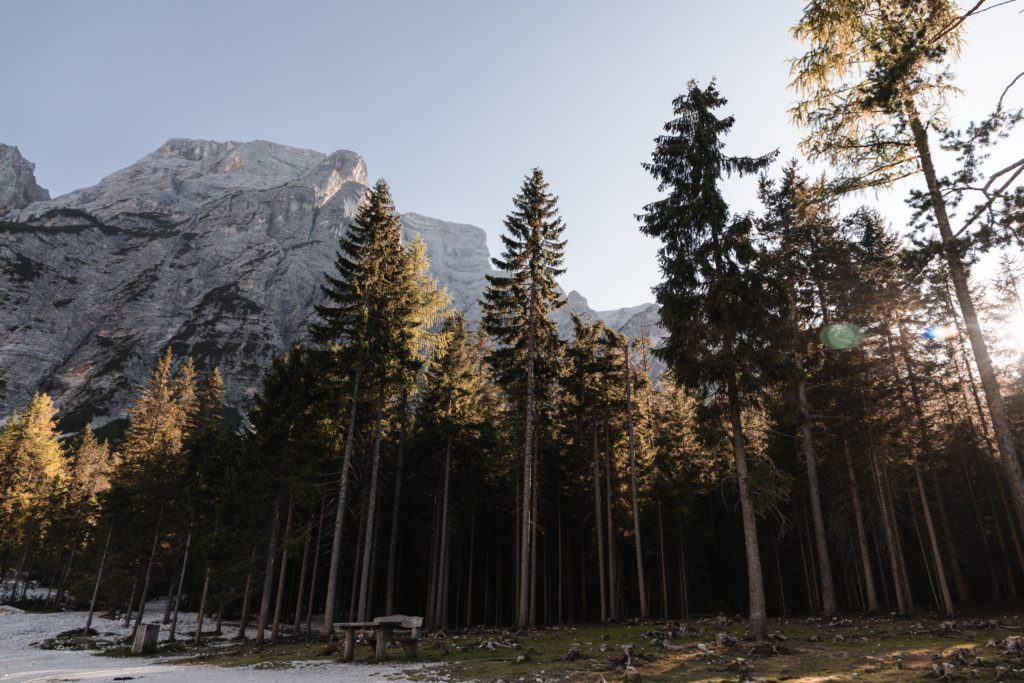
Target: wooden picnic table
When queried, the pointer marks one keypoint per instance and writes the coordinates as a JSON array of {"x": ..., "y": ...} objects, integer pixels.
[{"x": 384, "y": 626}]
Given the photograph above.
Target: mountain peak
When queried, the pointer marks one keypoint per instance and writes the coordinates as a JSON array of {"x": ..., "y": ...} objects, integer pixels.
[
  {"x": 214, "y": 249},
  {"x": 184, "y": 174},
  {"x": 18, "y": 186}
]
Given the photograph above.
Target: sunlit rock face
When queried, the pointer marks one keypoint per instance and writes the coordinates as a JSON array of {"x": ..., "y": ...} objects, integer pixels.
[{"x": 216, "y": 249}]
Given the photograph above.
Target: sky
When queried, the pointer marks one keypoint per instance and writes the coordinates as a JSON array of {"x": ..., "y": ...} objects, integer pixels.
[{"x": 452, "y": 102}]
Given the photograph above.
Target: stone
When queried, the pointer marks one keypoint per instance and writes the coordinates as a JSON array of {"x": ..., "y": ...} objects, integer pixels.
[{"x": 18, "y": 186}]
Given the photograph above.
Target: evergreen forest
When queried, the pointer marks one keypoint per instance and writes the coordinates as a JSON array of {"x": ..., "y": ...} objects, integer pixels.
[{"x": 831, "y": 423}]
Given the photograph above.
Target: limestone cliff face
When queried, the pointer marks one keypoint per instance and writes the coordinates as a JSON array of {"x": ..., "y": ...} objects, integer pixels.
[
  {"x": 216, "y": 249},
  {"x": 18, "y": 186}
]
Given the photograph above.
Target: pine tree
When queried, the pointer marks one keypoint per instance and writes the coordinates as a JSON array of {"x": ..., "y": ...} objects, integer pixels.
[
  {"x": 516, "y": 309},
  {"x": 31, "y": 457},
  {"x": 874, "y": 84},
  {"x": 804, "y": 258},
  {"x": 378, "y": 303},
  {"x": 146, "y": 485},
  {"x": 712, "y": 301},
  {"x": 345, "y": 325},
  {"x": 32, "y": 468}
]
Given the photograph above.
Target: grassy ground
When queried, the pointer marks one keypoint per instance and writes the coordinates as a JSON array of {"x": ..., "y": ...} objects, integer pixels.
[{"x": 861, "y": 649}]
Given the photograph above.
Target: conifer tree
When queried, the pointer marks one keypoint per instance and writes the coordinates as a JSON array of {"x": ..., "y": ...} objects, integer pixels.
[
  {"x": 713, "y": 304},
  {"x": 516, "y": 308},
  {"x": 582, "y": 401},
  {"x": 206, "y": 471},
  {"x": 802, "y": 230},
  {"x": 874, "y": 84},
  {"x": 31, "y": 457},
  {"x": 31, "y": 470},
  {"x": 344, "y": 325},
  {"x": 146, "y": 484},
  {"x": 379, "y": 301}
]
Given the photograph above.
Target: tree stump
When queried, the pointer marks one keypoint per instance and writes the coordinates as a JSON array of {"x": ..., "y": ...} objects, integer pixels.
[{"x": 145, "y": 639}]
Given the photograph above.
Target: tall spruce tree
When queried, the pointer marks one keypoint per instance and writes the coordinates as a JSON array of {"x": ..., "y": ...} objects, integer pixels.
[
  {"x": 378, "y": 304},
  {"x": 713, "y": 303},
  {"x": 799, "y": 224},
  {"x": 516, "y": 314},
  {"x": 345, "y": 326}
]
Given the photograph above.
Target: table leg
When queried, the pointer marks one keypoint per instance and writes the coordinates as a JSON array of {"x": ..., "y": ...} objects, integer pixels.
[
  {"x": 350, "y": 645},
  {"x": 383, "y": 635}
]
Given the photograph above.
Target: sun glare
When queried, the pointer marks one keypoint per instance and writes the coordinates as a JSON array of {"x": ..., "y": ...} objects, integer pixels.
[{"x": 1014, "y": 333}]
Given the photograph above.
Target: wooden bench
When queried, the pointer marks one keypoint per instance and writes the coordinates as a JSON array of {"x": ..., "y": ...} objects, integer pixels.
[{"x": 405, "y": 628}]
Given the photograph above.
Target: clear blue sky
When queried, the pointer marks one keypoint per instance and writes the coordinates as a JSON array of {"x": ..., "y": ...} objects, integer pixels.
[{"x": 452, "y": 102}]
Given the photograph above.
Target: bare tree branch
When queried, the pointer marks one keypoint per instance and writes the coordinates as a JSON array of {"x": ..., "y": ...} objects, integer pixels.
[
  {"x": 957, "y": 22},
  {"x": 1007, "y": 89},
  {"x": 1019, "y": 166},
  {"x": 976, "y": 9}
]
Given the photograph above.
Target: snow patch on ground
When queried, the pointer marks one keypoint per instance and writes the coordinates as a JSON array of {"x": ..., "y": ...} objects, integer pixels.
[{"x": 21, "y": 661}]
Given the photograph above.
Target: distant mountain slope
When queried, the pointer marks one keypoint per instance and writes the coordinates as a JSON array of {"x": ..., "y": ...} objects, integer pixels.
[{"x": 214, "y": 248}]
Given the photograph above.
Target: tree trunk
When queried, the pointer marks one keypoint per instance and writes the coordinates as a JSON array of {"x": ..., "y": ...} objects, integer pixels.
[
  {"x": 99, "y": 578},
  {"x": 371, "y": 506},
  {"x": 940, "y": 573},
  {"x": 339, "y": 514},
  {"x": 600, "y": 533},
  {"x": 268, "y": 574},
  {"x": 469, "y": 574},
  {"x": 360, "y": 548},
  {"x": 997, "y": 411},
  {"x": 243, "y": 618},
  {"x": 862, "y": 537},
  {"x": 523, "y": 612},
  {"x": 130, "y": 609},
  {"x": 304, "y": 567},
  {"x": 202, "y": 609},
  {"x": 684, "y": 603},
  {"x": 66, "y": 574},
  {"x": 181, "y": 585},
  {"x": 560, "y": 581},
  {"x": 435, "y": 553},
  {"x": 442, "y": 556},
  {"x": 947, "y": 536},
  {"x": 613, "y": 604},
  {"x": 915, "y": 395},
  {"x": 149, "y": 566},
  {"x": 638, "y": 545},
  {"x": 535, "y": 499},
  {"x": 664, "y": 575},
  {"x": 389, "y": 601},
  {"x": 758, "y": 627},
  {"x": 316, "y": 566},
  {"x": 778, "y": 574},
  {"x": 279, "y": 601},
  {"x": 828, "y": 596},
  {"x": 169, "y": 603}
]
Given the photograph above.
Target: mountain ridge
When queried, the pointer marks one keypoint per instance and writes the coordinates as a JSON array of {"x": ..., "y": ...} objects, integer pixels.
[{"x": 216, "y": 249}]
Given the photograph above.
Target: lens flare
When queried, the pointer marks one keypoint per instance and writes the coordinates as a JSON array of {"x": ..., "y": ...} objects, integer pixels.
[
  {"x": 841, "y": 336},
  {"x": 1015, "y": 332},
  {"x": 940, "y": 332}
]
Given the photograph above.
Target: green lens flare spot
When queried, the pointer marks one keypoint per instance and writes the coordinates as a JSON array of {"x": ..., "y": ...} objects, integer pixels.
[{"x": 841, "y": 336}]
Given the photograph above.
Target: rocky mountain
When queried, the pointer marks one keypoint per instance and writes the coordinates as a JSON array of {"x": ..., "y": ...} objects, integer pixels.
[
  {"x": 216, "y": 249},
  {"x": 18, "y": 186}
]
